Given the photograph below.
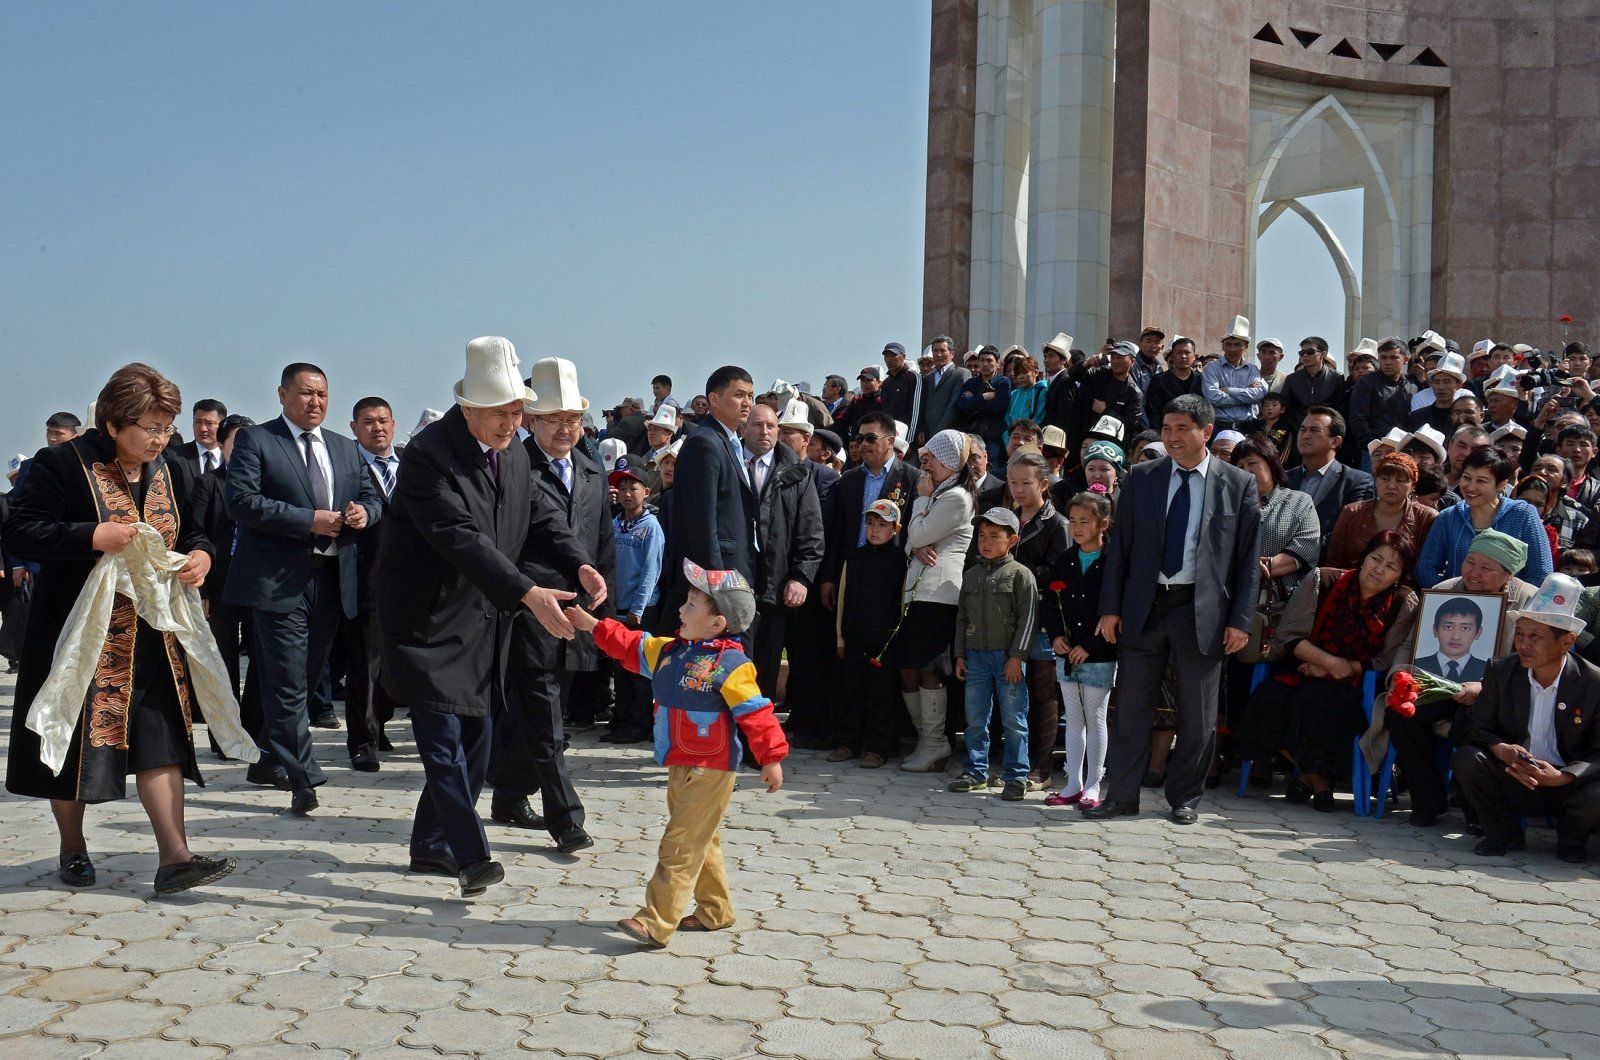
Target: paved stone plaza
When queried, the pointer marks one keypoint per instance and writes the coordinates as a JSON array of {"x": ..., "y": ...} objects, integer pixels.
[{"x": 880, "y": 916}]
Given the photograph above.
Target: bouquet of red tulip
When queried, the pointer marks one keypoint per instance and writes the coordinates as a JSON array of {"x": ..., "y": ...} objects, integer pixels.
[{"x": 1408, "y": 688}]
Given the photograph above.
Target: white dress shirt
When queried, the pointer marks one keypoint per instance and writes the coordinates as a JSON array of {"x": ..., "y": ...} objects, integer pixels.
[
  {"x": 1542, "y": 721},
  {"x": 209, "y": 458},
  {"x": 1191, "y": 539},
  {"x": 319, "y": 451}
]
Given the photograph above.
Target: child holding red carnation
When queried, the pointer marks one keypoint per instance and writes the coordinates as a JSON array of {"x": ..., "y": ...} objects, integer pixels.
[{"x": 1085, "y": 663}]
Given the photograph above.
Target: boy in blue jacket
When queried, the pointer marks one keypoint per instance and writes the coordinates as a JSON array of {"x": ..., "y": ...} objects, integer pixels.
[{"x": 640, "y": 544}]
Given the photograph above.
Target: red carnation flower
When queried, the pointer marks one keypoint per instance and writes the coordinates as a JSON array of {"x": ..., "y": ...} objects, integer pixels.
[
  {"x": 1406, "y": 709},
  {"x": 1566, "y": 318},
  {"x": 1058, "y": 586},
  {"x": 876, "y": 662}
]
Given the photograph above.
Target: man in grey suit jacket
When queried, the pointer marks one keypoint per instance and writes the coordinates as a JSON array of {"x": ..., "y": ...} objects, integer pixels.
[
  {"x": 1181, "y": 574},
  {"x": 940, "y": 388},
  {"x": 292, "y": 490}
]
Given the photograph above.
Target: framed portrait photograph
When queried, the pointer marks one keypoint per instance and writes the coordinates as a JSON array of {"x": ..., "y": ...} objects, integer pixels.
[{"x": 1457, "y": 633}]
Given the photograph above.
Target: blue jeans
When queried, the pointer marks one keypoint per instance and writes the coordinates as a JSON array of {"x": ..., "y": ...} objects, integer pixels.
[{"x": 986, "y": 680}]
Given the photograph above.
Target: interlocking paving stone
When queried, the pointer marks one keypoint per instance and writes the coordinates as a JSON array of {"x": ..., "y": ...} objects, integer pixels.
[{"x": 878, "y": 915}]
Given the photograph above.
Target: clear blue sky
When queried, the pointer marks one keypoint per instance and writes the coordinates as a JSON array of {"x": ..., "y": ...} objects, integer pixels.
[{"x": 640, "y": 187}]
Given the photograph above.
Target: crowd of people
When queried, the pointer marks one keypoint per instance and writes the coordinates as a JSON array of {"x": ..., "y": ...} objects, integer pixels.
[{"x": 1080, "y": 574}]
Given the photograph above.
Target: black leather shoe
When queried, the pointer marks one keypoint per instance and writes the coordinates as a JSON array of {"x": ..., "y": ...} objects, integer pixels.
[
  {"x": 364, "y": 763},
  {"x": 1322, "y": 802},
  {"x": 1495, "y": 846},
  {"x": 444, "y": 866},
  {"x": 1424, "y": 818},
  {"x": 1573, "y": 853},
  {"x": 515, "y": 811},
  {"x": 170, "y": 879},
  {"x": 384, "y": 744},
  {"x": 325, "y": 721},
  {"x": 77, "y": 870},
  {"x": 1183, "y": 815},
  {"x": 303, "y": 803},
  {"x": 572, "y": 841},
  {"x": 268, "y": 775},
  {"x": 1298, "y": 792},
  {"x": 1108, "y": 810},
  {"x": 476, "y": 878}
]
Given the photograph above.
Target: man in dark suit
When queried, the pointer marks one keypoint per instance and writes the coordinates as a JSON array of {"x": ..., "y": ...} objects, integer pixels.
[
  {"x": 203, "y": 452},
  {"x": 293, "y": 489},
  {"x": 940, "y": 388},
  {"x": 1332, "y": 485},
  {"x": 569, "y": 546},
  {"x": 367, "y": 706},
  {"x": 447, "y": 588},
  {"x": 1180, "y": 581},
  {"x": 1530, "y": 742},
  {"x": 789, "y": 535},
  {"x": 714, "y": 512},
  {"x": 879, "y": 475}
]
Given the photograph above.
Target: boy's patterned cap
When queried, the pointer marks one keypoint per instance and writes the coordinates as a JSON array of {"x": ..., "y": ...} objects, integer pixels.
[
  {"x": 728, "y": 589},
  {"x": 886, "y": 510},
  {"x": 624, "y": 469}
]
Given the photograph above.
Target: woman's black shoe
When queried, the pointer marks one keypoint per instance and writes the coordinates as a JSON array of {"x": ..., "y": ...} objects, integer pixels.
[
  {"x": 1152, "y": 779},
  {"x": 1322, "y": 802},
  {"x": 1213, "y": 781},
  {"x": 170, "y": 879},
  {"x": 1298, "y": 792},
  {"x": 77, "y": 870}
]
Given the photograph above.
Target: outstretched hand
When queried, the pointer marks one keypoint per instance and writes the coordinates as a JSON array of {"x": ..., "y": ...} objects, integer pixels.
[
  {"x": 581, "y": 620},
  {"x": 594, "y": 583},
  {"x": 546, "y": 607}
]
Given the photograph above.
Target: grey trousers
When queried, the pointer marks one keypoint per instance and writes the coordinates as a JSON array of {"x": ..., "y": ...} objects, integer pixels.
[{"x": 1168, "y": 634}]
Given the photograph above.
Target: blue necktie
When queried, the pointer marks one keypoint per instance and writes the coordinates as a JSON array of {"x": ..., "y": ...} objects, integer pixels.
[
  {"x": 562, "y": 473},
  {"x": 1177, "y": 527}
]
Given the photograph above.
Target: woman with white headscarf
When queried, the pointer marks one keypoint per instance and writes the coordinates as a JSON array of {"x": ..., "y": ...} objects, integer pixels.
[{"x": 938, "y": 534}]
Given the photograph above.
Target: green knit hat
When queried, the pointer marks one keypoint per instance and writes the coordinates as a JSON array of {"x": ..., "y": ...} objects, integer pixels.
[
  {"x": 1504, "y": 549},
  {"x": 1110, "y": 452}
]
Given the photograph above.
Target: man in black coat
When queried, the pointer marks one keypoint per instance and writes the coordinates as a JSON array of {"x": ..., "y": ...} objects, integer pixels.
[
  {"x": 1331, "y": 485},
  {"x": 1312, "y": 382},
  {"x": 447, "y": 588},
  {"x": 632, "y": 427},
  {"x": 714, "y": 509},
  {"x": 367, "y": 707},
  {"x": 1529, "y": 744},
  {"x": 879, "y": 475},
  {"x": 1107, "y": 391},
  {"x": 789, "y": 532},
  {"x": 293, "y": 489},
  {"x": 569, "y": 546}
]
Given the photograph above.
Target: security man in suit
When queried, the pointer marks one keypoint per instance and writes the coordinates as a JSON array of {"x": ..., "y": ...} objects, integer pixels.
[
  {"x": 1181, "y": 573},
  {"x": 294, "y": 489},
  {"x": 367, "y": 706},
  {"x": 203, "y": 452},
  {"x": 569, "y": 546},
  {"x": 940, "y": 388}
]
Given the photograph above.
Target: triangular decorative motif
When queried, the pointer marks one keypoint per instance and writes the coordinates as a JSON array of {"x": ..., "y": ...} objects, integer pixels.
[
  {"x": 1306, "y": 37},
  {"x": 1385, "y": 51},
  {"x": 1427, "y": 57},
  {"x": 1268, "y": 34},
  {"x": 1345, "y": 50}
]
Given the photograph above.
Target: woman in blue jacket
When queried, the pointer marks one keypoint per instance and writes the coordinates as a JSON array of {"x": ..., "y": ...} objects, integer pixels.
[{"x": 1484, "y": 474}]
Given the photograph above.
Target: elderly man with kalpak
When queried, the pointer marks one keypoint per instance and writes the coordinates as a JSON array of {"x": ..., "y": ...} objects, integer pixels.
[
  {"x": 1529, "y": 744},
  {"x": 448, "y": 587}
]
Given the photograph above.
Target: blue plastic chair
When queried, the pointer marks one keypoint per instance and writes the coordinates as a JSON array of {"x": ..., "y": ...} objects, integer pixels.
[
  {"x": 1258, "y": 675},
  {"x": 1361, "y": 778}
]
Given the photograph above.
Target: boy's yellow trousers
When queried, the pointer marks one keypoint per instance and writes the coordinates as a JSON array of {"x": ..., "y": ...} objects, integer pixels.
[{"x": 690, "y": 861}]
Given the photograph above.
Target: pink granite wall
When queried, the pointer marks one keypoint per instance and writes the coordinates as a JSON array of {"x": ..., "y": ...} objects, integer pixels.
[{"x": 947, "y": 244}]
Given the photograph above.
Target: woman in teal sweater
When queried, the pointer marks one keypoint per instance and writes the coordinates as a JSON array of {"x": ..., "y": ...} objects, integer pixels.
[
  {"x": 1028, "y": 390},
  {"x": 1484, "y": 474}
]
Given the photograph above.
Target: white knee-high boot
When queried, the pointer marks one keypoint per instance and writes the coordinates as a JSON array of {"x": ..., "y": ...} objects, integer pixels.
[{"x": 927, "y": 706}]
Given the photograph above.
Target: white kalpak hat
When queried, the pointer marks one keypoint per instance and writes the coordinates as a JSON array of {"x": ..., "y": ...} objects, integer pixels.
[
  {"x": 428, "y": 416},
  {"x": 1062, "y": 343},
  {"x": 555, "y": 381},
  {"x": 1555, "y": 604},
  {"x": 666, "y": 416},
  {"x": 1396, "y": 440},
  {"x": 901, "y": 442},
  {"x": 1451, "y": 364},
  {"x": 1108, "y": 427},
  {"x": 492, "y": 377},
  {"x": 1503, "y": 381},
  {"x": 797, "y": 416},
  {"x": 1510, "y": 430},
  {"x": 1239, "y": 329},
  {"x": 1426, "y": 435},
  {"x": 1431, "y": 340},
  {"x": 1369, "y": 347},
  {"x": 1481, "y": 348},
  {"x": 611, "y": 450},
  {"x": 780, "y": 386}
]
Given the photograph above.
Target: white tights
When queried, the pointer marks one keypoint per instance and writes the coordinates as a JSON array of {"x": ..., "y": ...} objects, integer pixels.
[{"x": 1085, "y": 713}]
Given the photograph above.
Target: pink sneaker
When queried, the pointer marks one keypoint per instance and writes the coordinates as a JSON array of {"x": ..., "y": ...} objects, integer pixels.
[{"x": 1059, "y": 799}]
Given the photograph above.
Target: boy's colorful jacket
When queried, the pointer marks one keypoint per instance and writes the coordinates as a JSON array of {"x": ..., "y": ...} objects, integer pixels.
[{"x": 701, "y": 688}]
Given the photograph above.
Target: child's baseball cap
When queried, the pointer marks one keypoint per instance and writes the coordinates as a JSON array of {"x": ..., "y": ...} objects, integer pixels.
[
  {"x": 1002, "y": 517},
  {"x": 622, "y": 470},
  {"x": 734, "y": 599},
  {"x": 886, "y": 510}
]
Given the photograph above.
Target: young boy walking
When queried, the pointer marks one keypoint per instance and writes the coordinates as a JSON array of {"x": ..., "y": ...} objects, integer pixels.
[
  {"x": 866, "y": 692},
  {"x": 640, "y": 544},
  {"x": 705, "y": 694},
  {"x": 994, "y": 637}
]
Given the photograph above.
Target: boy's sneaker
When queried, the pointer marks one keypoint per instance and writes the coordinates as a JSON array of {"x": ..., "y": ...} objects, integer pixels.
[
  {"x": 1014, "y": 791},
  {"x": 994, "y": 780},
  {"x": 968, "y": 782}
]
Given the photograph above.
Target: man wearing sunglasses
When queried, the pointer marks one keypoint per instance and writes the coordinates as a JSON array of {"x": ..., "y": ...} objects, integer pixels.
[{"x": 879, "y": 475}]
